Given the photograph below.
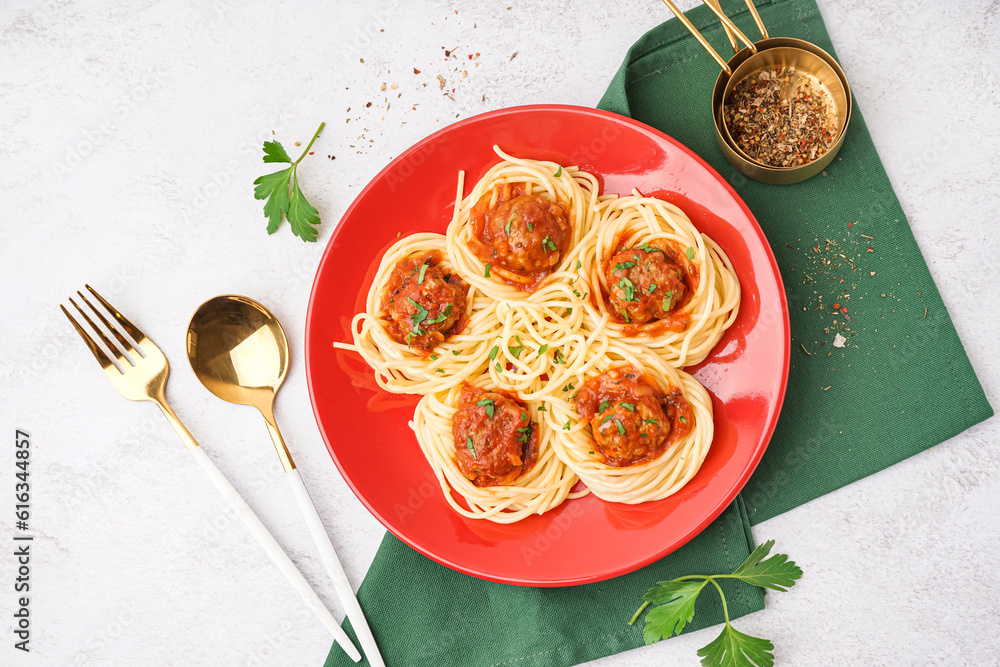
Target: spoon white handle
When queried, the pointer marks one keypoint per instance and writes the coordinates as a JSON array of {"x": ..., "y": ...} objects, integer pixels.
[
  {"x": 336, "y": 570},
  {"x": 274, "y": 550}
]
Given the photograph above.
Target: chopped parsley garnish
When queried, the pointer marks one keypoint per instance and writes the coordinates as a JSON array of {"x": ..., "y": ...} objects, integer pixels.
[
  {"x": 506, "y": 227},
  {"x": 435, "y": 357},
  {"x": 531, "y": 227},
  {"x": 643, "y": 435},
  {"x": 607, "y": 419},
  {"x": 621, "y": 429},
  {"x": 568, "y": 387},
  {"x": 690, "y": 252},
  {"x": 652, "y": 287},
  {"x": 684, "y": 420},
  {"x": 543, "y": 349},
  {"x": 488, "y": 405},
  {"x": 568, "y": 424},
  {"x": 559, "y": 172},
  {"x": 578, "y": 265},
  {"x": 626, "y": 286},
  {"x": 524, "y": 415},
  {"x": 668, "y": 297},
  {"x": 549, "y": 244},
  {"x": 591, "y": 453},
  {"x": 650, "y": 421},
  {"x": 604, "y": 406},
  {"x": 470, "y": 446},
  {"x": 648, "y": 248},
  {"x": 541, "y": 408},
  {"x": 628, "y": 406},
  {"x": 623, "y": 266},
  {"x": 625, "y": 315},
  {"x": 516, "y": 350},
  {"x": 423, "y": 270},
  {"x": 526, "y": 431},
  {"x": 557, "y": 358},
  {"x": 442, "y": 316},
  {"x": 498, "y": 367},
  {"x": 487, "y": 275},
  {"x": 439, "y": 370},
  {"x": 418, "y": 316},
  {"x": 494, "y": 352},
  {"x": 456, "y": 352}
]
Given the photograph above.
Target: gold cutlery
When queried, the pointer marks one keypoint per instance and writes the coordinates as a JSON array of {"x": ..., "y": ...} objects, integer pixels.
[{"x": 141, "y": 375}]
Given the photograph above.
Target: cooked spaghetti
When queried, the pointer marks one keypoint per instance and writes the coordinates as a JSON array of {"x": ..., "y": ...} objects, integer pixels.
[
  {"x": 657, "y": 281},
  {"x": 491, "y": 449},
  {"x": 545, "y": 331},
  {"x": 519, "y": 228},
  {"x": 636, "y": 430},
  {"x": 421, "y": 332}
]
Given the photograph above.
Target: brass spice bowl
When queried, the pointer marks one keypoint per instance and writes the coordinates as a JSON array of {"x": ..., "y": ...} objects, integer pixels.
[
  {"x": 782, "y": 51},
  {"x": 807, "y": 59}
]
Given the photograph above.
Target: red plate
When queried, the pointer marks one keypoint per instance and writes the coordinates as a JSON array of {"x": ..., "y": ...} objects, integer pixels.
[{"x": 366, "y": 429}]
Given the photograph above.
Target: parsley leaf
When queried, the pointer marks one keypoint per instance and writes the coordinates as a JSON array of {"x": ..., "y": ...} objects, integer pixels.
[
  {"x": 604, "y": 406},
  {"x": 301, "y": 215},
  {"x": 557, "y": 358},
  {"x": 494, "y": 352},
  {"x": 652, "y": 287},
  {"x": 675, "y": 602},
  {"x": 690, "y": 252},
  {"x": 543, "y": 349},
  {"x": 559, "y": 172},
  {"x": 423, "y": 270},
  {"x": 623, "y": 266},
  {"x": 470, "y": 446},
  {"x": 628, "y": 406},
  {"x": 676, "y": 608},
  {"x": 621, "y": 429},
  {"x": 568, "y": 424},
  {"x": 648, "y": 248},
  {"x": 776, "y": 573},
  {"x": 732, "y": 648},
  {"x": 487, "y": 275},
  {"x": 628, "y": 287}
]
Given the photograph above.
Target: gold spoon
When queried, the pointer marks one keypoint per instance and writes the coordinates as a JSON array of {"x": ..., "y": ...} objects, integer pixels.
[{"x": 239, "y": 352}]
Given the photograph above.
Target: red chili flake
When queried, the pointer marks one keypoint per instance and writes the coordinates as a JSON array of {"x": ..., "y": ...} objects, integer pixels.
[
  {"x": 447, "y": 53},
  {"x": 871, "y": 249},
  {"x": 470, "y": 56},
  {"x": 311, "y": 152},
  {"x": 844, "y": 309},
  {"x": 850, "y": 224},
  {"x": 836, "y": 306},
  {"x": 416, "y": 71},
  {"x": 368, "y": 105}
]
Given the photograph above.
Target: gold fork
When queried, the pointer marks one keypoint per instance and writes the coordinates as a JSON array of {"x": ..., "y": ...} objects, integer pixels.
[{"x": 141, "y": 375}]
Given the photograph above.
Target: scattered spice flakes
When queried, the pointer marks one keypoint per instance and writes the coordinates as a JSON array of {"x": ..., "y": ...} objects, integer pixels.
[
  {"x": 394, "y": 86},
  {"x": 514, "y": 56},
  {"x": 827, "y": 388},
  {"x": 925, "y": 313},
  {"x": 805, "y": 350},
  {"x": 441, "y": 81},
  {"x": 416, "y": 71},
  {"x": 383, "y": 86},
  {"x": 368, "y": 105}
]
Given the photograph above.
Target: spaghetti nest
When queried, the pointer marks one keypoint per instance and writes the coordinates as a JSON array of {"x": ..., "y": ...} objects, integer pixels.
[
  {"x": 544, "y": 486},
  {"x": 538, "y": 363},
  {"x": 687, "y": 316},
  {"x": 655, "y": 476}
]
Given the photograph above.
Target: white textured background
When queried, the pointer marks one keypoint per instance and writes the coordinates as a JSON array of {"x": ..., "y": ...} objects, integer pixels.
[{"x": 131, "y": 132}]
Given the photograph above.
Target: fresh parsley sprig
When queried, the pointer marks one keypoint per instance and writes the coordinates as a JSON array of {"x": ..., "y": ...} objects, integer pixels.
[
  {"x": 301, "y": 215},
  {"x": 675, "y": 608}
]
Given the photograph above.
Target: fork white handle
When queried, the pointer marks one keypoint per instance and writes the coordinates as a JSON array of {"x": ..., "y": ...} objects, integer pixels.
[
  {"x": 276, "y": 553},
  {"x": 336, "y": 570}
]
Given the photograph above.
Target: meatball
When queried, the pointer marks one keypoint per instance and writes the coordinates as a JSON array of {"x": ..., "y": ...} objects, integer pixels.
[
  {"x": 495, "y": 440},
  {"x": 632, "y": 420},
  {"x": 528, "y": 234},
  {"x": 424, "y": 307},
  {"x": 646, "y": 283},
  {"x": 630, "y": 431}
]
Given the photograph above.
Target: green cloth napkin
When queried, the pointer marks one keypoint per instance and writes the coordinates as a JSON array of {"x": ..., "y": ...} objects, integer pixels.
[{"x": 900, "y": 384}]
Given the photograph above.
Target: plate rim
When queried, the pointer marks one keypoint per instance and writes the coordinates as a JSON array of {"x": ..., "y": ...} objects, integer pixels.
[{"x": 744, "y": 477}]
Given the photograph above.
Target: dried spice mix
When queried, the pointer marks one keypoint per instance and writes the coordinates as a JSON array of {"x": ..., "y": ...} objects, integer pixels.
[{"x": 781, "y": 117}]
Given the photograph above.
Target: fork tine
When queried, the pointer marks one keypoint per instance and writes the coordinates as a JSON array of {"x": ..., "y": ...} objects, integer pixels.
[
  {"x": 130, "y": 328},
  {"x": 126, "y": 345},
  {"x": 102, "y": 358},
  {"x": 104, "y": 339}
]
